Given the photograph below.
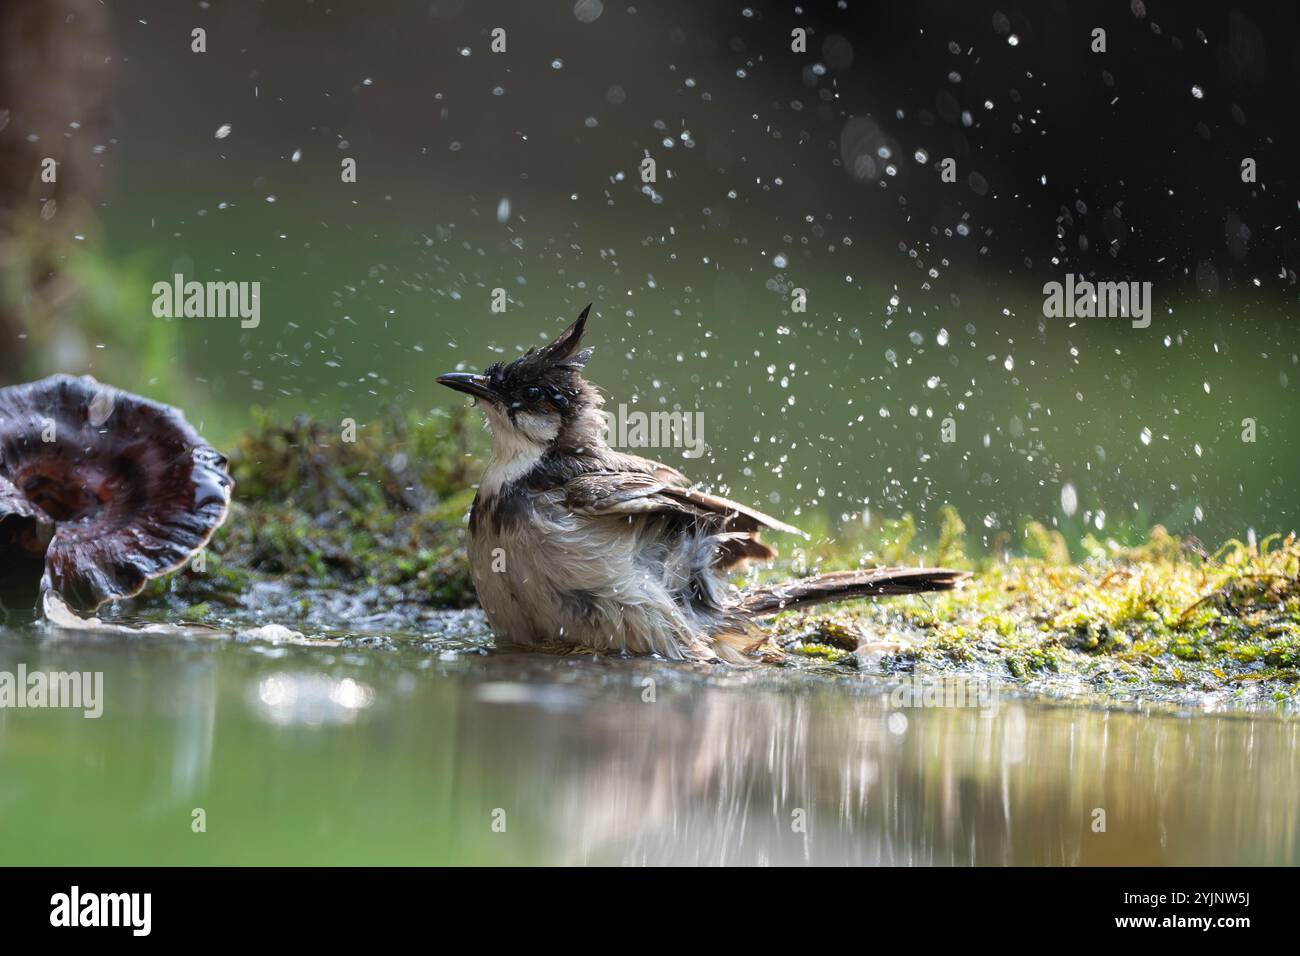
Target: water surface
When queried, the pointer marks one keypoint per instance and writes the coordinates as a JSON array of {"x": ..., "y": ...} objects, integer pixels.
[{"x": 438, "y": 748}]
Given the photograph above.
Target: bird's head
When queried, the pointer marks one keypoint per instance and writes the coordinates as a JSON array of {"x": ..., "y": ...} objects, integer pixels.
[{"x": 541, "y": 397}]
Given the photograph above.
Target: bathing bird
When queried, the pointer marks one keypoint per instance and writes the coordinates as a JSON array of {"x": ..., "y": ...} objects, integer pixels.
[{"x": 576, "y": 544}]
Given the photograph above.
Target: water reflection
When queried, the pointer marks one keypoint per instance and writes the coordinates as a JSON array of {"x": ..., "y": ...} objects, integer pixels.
[
  {"x": 339, "y": 755},
  {"x": 705, "y": 775}
]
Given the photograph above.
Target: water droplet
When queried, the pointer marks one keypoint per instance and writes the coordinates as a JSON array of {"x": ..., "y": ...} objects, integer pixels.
[
  {"x": 101, "y": 407},
  {"x": 588, "y": 11}
]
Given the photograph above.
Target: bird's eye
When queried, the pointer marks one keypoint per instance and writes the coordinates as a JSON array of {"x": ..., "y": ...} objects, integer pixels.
[{"x": 532, "y": 393}]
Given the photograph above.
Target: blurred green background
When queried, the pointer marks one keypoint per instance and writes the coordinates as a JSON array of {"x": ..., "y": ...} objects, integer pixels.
[{"x": 519, "y": 170}]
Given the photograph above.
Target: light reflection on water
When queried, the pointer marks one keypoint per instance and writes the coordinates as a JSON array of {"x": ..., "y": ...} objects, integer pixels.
[
  {"x": 312, "y": 699},
  {"x": 408, "y": 755}
]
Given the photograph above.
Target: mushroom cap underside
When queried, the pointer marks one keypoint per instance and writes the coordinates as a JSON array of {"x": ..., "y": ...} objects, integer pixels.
[{"x": 100, "y": 490}]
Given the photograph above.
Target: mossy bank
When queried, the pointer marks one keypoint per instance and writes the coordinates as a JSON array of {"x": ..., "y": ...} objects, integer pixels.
[
  {"x": 374, "y": 510},
  {"x": 1158, "y": 622},
  {"x": 332, "y": 524}
]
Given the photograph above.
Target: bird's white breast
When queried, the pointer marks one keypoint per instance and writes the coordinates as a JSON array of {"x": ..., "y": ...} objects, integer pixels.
[{"x": 516, "y": 448}]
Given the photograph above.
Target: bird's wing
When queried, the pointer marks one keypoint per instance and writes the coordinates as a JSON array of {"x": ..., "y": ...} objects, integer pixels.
[
  {"x": 637, "y": 492},
  {"x": 741, "y": 517},
  {"x": 621, "y": 461},
  {"x": 623, "y": 493}
]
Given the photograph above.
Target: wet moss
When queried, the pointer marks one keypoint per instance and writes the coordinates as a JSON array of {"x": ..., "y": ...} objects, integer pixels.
[
  {"x": 376, "y": 509},
  {"x": 835, "y": 634},
  {"x": 1160, "y": 619},
  {"x": 832, "y": 655}
]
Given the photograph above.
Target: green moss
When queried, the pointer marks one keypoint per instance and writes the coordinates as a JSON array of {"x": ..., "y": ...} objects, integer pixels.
[
  {"x": 1155, "y": 620},
  {"x": 833, "y": 655},
  {"x": 377, "y": 510},
  {"x": 952, "y": 538},
  {"x": 837, "y": 634},
  {"x": 898, "y": 536},
  {"x": 1032, "y": 660},
  {"x": 1047, "y": 546}
]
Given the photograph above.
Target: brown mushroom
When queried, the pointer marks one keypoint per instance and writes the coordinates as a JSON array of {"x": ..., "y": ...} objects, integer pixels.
[{"x": 100, "y": 491}]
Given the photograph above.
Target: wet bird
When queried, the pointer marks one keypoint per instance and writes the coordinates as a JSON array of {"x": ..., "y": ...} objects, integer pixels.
[{"x": 573, "y": 543}]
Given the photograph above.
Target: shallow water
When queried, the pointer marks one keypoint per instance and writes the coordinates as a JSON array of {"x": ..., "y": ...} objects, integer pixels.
[{"x": 423, "y": 748}]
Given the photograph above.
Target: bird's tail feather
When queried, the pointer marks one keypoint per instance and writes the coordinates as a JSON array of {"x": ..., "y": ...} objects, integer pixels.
[{"x": 771, "y": 599}]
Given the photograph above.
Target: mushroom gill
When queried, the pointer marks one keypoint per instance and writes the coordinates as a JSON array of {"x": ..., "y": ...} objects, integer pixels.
[{"x": 100, "y": 491}]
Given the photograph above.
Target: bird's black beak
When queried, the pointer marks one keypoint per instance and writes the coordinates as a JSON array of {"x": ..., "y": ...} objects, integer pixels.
[{"x": 470, "y": 384}]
